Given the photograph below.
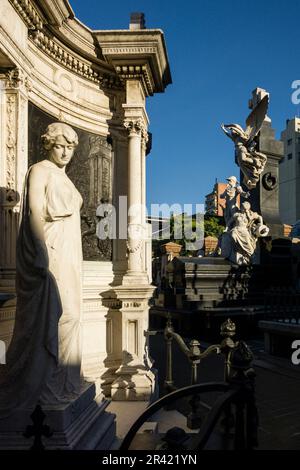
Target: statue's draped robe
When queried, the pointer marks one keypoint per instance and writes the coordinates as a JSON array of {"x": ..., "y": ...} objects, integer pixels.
[
  {"x": 244, "y": 241},
  {"x": 43, "y": 360}
]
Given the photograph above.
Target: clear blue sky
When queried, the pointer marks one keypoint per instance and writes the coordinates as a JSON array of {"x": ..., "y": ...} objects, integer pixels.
[{"x": 219, "y": 51}]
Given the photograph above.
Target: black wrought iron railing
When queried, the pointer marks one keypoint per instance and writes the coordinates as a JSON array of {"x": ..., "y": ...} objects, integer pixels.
[
  {"x": 282, "y": 304},
  {"x": 237, "y": 394},
  {"x": 193, "y": 352}
]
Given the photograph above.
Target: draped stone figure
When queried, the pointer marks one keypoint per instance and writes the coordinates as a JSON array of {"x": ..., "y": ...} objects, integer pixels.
[
  {"x": 44, "y": 357},
  {"x": 250, "y": 161},
  {"x": 238, "y": 244}
]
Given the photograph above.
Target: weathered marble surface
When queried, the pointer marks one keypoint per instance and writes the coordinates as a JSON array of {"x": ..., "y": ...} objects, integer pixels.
[
  {"x": 44, "y": 357},
  {"x": 249, "y": 159},
  {"x": 231, "y": 193},
  {"x": 238, "y": 242}
]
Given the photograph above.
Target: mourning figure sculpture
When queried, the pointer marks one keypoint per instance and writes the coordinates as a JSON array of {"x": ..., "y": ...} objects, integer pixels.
[
  {"x": 44, "y": 357},
  {"x": 238, "y": 243}
]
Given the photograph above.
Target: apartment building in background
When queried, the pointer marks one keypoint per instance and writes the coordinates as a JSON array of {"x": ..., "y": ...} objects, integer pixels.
[
  {"x": 289, "y": 173},
  {"x": 214, "y": 205}
]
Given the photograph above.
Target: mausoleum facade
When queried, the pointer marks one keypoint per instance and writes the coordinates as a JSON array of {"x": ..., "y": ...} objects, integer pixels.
[{"x": 53, "y": 68}]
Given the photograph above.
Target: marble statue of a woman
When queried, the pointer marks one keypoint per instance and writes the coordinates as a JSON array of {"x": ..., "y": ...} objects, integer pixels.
[
  {"x": 238, "y": 244},
  {"x": 44, "y": 358}
]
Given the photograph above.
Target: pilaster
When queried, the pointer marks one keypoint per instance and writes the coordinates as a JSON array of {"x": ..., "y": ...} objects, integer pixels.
[{"x": 15, "y": 86}]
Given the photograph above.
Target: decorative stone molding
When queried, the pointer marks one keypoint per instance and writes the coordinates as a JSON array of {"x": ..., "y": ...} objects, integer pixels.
[
  {"x": 39, "y": 26},
  {"x": 77, "y": 65},
  {"x": 57, "y": 11},
  {"x": 137, "y": 54},
  {"x": 113, "y": 304},
  {"x": 129, "y": 50},
  {"x": 140, "y": 72},
  {"x": 92, "y": 306},
  {"x": 134, "y": 304},
  {"x": 134, "y": 246},
  {"x": 58, "y": 53},
  {"x": 7, "y": 314},
  {"x": 145, "y": 139},
  {"x": 11, "y": 141},
  {"x": 29, "y": 14},
  {"x": 16, "y": 79},
  {"x": 11, "y": 199}
]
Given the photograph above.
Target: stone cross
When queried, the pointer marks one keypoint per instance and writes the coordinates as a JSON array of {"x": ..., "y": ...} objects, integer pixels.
[
  {"x": 257, "y": 96},
  {"x": 38, "y": 429}
]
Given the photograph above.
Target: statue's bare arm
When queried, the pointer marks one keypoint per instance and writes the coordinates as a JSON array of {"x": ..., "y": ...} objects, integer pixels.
[
  {"x": 226, "y": 131},
  {"x": 36, "y": 192},
  {"x": 258, "y": 218},
  {"x": 242, "y": 192}
]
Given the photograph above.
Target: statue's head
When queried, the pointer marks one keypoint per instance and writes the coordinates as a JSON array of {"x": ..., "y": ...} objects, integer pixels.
[
  {"x": 60, "y": 140},
  {"x": 246, "y": 206},
  {"x": 59, "y": 129},
  {"x": 232, "y": 180}
]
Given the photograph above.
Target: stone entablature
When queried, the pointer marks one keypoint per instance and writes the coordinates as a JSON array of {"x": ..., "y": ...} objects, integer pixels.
[{"x": 145, "y": 53}]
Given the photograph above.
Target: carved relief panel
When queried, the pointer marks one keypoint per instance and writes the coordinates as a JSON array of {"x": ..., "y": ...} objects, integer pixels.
[{"x": 91, "y": 171}]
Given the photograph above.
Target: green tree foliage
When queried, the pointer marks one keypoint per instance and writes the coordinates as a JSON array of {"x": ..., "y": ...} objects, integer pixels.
[{"x": 213, "y": 226}]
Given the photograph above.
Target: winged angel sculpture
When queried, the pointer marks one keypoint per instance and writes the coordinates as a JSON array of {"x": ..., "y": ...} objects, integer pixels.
[{"x": 250, "y": 161}]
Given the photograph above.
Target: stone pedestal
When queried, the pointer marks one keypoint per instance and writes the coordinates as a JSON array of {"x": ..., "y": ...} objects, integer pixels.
[
  {"x": 130, "y": 375},
  {"x": 7, "y": 315},
  {"x": 96, "y": 328},
  {"x": 81, "y": 424}
]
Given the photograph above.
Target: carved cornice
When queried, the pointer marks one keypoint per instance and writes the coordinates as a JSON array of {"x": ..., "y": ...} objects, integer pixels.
[
  {"x": 57, "y": 11},
  {"x": 118, "y": 56},
  {"x": 140, "y": 72},
  {"x": 106, "y": 50},
  {"x": 39, "y": 25},
  {"x": 137, "y": 54},
  {"x": 29, "y": 13},
  {"x": 77, "y": 65},
  {"x": 59, "y": 54}
]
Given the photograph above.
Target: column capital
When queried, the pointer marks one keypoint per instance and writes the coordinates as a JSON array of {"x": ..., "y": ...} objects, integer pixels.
[
  {"x": 135, "y": 126},
  {"x": 145, "y": 139},
  {"x": 16, "y": 79}
]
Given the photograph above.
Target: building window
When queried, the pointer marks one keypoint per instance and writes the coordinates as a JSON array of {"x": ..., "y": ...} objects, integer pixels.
[
  {"x": 289, "y": 142},
  {"x": 290, "y": 156}
]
